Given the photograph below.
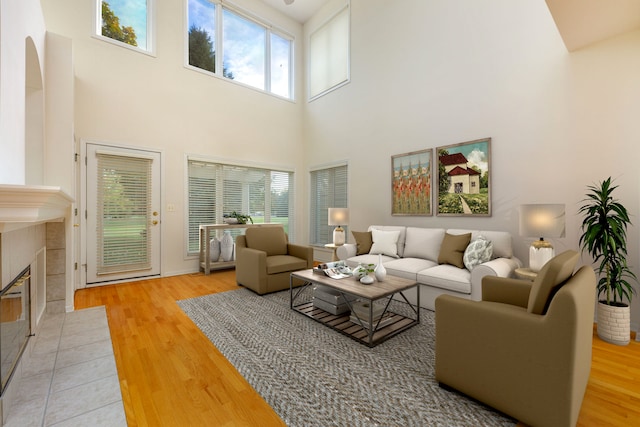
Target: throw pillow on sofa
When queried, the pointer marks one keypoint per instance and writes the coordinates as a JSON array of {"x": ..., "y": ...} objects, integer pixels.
[
  {"x": 385, "y": 243},
  {"x": 479, "y": 250},
  {"x": 364, "y": 240},
  {"x": 452, "y": 249}
]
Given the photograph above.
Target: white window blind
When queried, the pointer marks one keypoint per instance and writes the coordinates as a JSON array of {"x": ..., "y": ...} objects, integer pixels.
[
  {"x": 328, "y": 190},
  {"x": 202, "y": 200},
  {"x": 124, "y": 210},
  {"x": 329, "y": 55},
  {"x": 217, "y": 189}
]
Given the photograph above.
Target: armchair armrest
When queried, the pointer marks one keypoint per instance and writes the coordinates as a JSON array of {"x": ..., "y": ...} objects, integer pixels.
[
  {"x": 507, "y": 291},
  {"x": 346, "y": 251},
  {"x": 302, "y": 252},
  {"x": 251, "y": 267}
]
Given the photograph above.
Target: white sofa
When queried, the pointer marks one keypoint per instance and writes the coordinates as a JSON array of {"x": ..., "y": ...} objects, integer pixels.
[{"x": 418, "y": 250}]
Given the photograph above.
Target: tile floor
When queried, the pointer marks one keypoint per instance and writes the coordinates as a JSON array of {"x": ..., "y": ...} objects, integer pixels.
[{"x": 69, "y": 378}]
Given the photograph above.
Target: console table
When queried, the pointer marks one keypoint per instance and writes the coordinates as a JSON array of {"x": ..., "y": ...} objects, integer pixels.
[{"x": 205, "y": 236}]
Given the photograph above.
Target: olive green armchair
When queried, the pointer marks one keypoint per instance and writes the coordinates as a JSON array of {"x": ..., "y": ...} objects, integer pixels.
[
  {"x": 525, "y": 349},
  {"x": 265, "y": 259}
]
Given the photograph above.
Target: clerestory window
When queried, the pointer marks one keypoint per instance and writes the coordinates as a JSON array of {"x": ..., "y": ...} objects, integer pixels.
[
  {"x": 128, "y": 23},
  {"x": 254, "y": 53},
  {"x": 329, "y": 55}
]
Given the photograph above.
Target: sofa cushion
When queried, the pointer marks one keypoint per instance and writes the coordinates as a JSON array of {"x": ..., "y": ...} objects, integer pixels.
[
  {"x": 364, "y": 240},
  {"x": 501, "y": 240},
  {"x": 408, "y": 267},
  {"x": 447, "y": 277},
  {"x": 452, "y": 249},
  {"x": 271, "y": 240},
  {"x": 401, "y": 237},
  {"x": 354, "y": 261},
  {"x": 423, "y": 243},
  {"x": 478, "y": 251},
  {"x": 385, "y": 243}
]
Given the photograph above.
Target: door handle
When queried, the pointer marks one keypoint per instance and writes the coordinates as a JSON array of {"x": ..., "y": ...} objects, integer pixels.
[{"x": 154, "y": 222}]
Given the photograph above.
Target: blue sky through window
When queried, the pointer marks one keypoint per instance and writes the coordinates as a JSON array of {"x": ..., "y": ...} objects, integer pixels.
[
  {"x": 202, "y": 15},
  {"x": 132, "y": 13},
  {"x": 244, "y": 49}
]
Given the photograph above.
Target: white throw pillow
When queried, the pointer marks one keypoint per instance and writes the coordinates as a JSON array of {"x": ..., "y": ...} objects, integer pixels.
[
  {"x": 385, "y": 242},
  {"x": 479, "y": 250}
]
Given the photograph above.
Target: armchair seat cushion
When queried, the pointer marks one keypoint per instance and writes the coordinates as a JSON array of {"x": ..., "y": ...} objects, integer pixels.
[{"x": 283, "y": 263}]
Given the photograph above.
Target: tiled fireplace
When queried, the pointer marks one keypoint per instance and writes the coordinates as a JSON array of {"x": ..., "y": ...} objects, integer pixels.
[{"x": 34, "y": 225}]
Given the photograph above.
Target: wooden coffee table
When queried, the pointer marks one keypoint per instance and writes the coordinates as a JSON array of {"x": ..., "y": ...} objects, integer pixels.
[{"x": 394, "y": 323}]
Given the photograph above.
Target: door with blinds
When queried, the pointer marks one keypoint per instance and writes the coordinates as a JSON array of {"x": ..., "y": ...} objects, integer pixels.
[{"x": 122, "y": 214}]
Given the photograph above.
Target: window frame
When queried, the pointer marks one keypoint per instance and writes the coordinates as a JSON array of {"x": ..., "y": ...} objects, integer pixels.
[
  {"x": 315, "y": 211},
  {"x": 219, "y": 195},
  {"x": 151, "y": 30},
  {"x": 219, "y": 47}
]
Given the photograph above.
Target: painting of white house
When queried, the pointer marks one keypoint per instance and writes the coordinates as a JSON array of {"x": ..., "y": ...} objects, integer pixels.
[{"x": 464, "y": 178}]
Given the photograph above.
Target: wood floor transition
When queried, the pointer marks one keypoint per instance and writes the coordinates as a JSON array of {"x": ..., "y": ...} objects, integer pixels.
[{"x": 170, "y": 373}]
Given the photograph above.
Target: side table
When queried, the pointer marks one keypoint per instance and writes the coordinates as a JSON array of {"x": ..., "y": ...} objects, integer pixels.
[
  {"x": 333, "y": 248},
  {"x": 526, "y": 273}
]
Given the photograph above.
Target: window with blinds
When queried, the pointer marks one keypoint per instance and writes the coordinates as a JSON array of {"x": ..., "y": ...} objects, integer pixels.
[
  {"x": 329, "y": 55},
  {"x": 328, "y": 190},
  {"x": 124, "y": 210},
  {"x": 217, "y": 189}
]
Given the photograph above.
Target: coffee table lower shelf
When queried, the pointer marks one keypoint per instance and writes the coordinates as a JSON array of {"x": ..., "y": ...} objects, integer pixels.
[{"x": 344, "y": 325}]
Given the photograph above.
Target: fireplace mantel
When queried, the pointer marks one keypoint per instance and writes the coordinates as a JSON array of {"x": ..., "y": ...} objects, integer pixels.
[{"x": 26, "y": 205}]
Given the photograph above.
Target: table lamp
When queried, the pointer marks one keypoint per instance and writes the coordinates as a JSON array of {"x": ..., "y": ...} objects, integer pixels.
[
  {"x": 339, "y": 217},
  {"x": 543, "y": 220}
]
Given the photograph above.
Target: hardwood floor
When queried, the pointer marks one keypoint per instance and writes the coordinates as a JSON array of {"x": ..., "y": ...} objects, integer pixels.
[{"x": 171, "y": 374}]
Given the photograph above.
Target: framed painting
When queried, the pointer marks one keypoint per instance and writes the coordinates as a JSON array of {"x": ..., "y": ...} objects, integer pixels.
[
  {"x": 411, "y": 183},
  {"x": 464, "y": 179}
]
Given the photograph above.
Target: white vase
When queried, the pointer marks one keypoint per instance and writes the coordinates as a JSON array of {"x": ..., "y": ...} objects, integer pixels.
[
  {"x": 226, "y": 246},
  {"x": 214, "y": 249},
  {"x": 380, "y": 271},
  {"x": 359, "y": 272}
]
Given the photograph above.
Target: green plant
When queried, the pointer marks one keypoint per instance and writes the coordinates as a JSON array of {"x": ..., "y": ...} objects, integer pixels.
[
  {"x": 604, "y": 237},
  {"x": 242, "y": 219}
]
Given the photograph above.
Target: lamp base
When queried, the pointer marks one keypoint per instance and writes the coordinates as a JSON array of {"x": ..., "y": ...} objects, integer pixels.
[
  {"x": 338, "y": 236},
  {"x": 540, "y": 253}
]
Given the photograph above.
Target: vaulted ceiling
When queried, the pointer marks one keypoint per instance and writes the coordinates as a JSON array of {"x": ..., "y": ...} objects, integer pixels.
[
  {"x": 580, "y": 22},
  {"x": 583, "y": 22}
]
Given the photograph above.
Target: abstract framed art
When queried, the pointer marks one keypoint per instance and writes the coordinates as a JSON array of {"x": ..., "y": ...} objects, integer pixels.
[
  {"x": 411, "y": 183},
  {"x": 464, "y": 179}
]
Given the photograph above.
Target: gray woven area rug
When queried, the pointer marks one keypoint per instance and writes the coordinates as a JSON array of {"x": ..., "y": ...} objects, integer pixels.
[{"x": 314, "y": 376}]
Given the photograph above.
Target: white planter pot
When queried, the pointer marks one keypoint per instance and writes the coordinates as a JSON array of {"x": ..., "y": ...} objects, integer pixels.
[{"x": 614, "y": 324}]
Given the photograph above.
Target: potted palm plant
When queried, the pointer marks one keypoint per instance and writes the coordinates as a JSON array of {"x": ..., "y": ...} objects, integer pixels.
[{"x": 604, "y": 237}]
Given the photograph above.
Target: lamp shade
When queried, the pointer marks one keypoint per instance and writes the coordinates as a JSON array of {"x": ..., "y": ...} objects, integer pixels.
[
  {"x": 543, "y": 220},
  {"x": 338, "y": 216}
]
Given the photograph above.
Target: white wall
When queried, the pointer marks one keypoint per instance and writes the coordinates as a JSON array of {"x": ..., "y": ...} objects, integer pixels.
[
  {"x": 125, "y": 97},
  {"x": 18, "y": 21},
  {"x": 428, "y": 74}
]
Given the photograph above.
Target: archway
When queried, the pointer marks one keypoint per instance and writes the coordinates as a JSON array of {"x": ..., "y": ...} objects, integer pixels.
[{"x": 33, "y": 117}]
